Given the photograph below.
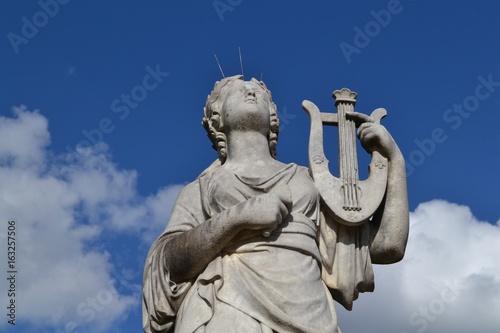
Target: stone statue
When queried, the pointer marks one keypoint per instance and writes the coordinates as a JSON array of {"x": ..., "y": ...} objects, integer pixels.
[{"x": 255, "y": 245}]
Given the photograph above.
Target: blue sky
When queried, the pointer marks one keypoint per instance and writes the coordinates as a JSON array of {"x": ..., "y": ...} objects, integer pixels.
[{"x": 432, "y": 65}]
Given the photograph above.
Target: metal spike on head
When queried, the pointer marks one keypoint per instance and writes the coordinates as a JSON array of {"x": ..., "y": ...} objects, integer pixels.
[
  {"x": 220, "y": 68},
  {"x": 241, "y": 61}
]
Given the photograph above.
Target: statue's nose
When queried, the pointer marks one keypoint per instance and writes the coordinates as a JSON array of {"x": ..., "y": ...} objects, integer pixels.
[{"x": 250, "y": 91}]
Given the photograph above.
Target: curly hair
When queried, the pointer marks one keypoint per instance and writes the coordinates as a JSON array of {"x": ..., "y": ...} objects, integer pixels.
[{"x": 212, "y": 111}]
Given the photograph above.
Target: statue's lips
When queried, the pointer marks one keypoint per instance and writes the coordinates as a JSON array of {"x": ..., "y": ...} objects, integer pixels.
[{"x": 251, "y": 100}]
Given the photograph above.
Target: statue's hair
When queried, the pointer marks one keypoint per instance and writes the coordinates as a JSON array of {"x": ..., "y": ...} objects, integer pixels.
[{"x": 212, "y": 112}]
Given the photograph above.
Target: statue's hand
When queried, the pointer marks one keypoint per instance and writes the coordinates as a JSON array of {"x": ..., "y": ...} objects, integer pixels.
[
  {"x": 373, "y": 136},
  {"x": 263, "y": 212}
]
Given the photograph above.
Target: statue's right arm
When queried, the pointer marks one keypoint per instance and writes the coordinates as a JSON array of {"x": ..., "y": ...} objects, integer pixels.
[{"x": 189, "y": 252}]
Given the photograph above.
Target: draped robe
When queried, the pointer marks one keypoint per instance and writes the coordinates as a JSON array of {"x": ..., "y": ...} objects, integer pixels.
[{"x": 282, "y": 283}]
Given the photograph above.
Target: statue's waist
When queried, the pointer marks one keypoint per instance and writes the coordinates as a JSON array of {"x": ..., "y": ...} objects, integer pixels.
[{"x": 296, "y": 234}]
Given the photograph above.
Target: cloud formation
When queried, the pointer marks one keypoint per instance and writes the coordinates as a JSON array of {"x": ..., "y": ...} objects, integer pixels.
[
  {"x": 448, "y": 282},
  {"x": 61, "y": 208}
]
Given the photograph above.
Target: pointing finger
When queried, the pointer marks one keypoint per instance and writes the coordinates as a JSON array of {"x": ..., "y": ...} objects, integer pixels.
[{"x": 358, "y": 118}]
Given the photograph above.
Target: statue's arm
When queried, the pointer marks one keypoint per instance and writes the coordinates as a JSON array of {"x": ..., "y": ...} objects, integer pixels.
[
  {"x": 189, "y": 252},
  {"x": 390, "y": 224},
  {"x": 191, "y": 241}
]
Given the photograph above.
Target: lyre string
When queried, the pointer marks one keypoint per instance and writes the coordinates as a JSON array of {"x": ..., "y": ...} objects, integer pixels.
[{"x": 348, "y": 166}]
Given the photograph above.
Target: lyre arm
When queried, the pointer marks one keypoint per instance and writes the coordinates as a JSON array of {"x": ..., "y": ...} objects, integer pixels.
[{"x": 317, "y": 159}]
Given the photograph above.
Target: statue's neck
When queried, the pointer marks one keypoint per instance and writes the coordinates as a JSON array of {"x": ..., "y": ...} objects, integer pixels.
[{"x": 247, "y": 147}]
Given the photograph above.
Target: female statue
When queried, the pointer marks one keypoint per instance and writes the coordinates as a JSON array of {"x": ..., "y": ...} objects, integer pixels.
[{"x": 249, "y": 247}]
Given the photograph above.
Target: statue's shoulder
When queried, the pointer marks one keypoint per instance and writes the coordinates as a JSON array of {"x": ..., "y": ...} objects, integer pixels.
[
  {"x": 302, "y": 168},
  {"x": 197, "y": 186},
  {"x": 211, "y": 168},
  {"x": 189, "y": 191},
  {"x": 303, "y": 178},
  {"x": 303, "y": 171}
]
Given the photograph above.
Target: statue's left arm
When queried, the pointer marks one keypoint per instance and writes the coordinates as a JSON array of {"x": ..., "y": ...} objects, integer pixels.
[{"x": 390, "y": 224}]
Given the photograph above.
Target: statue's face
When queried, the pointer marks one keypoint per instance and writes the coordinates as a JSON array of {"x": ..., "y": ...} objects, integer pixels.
[{"x": 246, "y": 106}]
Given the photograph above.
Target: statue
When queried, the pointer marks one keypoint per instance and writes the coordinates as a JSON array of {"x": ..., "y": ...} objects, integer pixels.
[{"x": 255, "y": 245}]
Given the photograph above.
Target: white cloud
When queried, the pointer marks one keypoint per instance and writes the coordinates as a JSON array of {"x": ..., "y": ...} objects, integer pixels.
[
  {"x": 159, "y": 207},
  {"x": 23, "y": 138},
  {"x": 61, "y": 207},
  {"x": 449, "y": 280}
]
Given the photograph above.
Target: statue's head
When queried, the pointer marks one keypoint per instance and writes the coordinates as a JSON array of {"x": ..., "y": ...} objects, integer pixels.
[{"x": 213, "y": 110}]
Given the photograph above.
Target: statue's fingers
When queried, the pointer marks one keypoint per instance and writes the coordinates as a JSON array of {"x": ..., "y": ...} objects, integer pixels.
[
  {"x": 358, "y": 118},
  {"x": 364, "y": 129},
  {"x": 369, "y": 139},
  {"x": 366, "y": 136}
]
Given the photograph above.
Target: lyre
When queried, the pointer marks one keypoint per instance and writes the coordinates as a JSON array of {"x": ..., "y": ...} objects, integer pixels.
[{"x": 350, "y": 201}]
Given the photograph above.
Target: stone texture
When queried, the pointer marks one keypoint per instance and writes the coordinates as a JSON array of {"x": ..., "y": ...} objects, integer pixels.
[{"x": 251, "y": 245}]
